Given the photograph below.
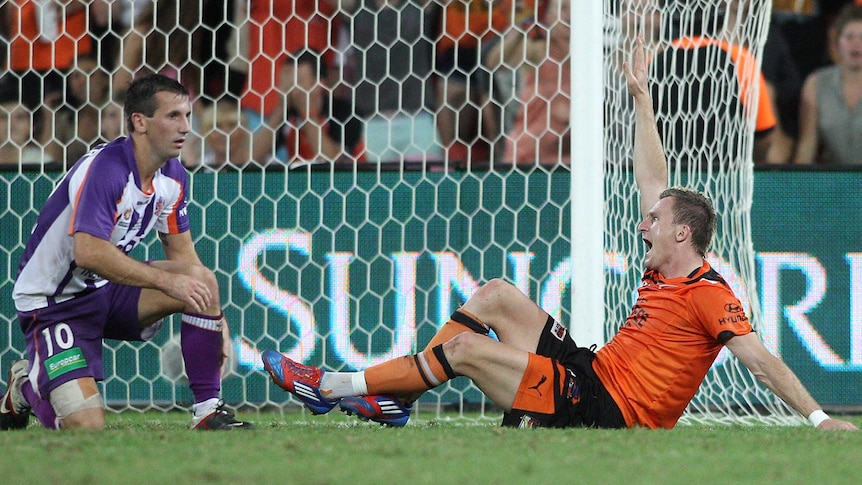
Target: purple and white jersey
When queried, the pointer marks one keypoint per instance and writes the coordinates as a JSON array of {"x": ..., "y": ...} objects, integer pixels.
[{"x": 101, "y": 196}]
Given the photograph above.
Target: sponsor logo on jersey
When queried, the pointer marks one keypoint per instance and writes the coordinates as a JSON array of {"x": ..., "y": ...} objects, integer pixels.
[
  {"x": 64, "y": 362},
  {"x": 638, "y": 317},
  {"x": 732, "y": 319},
  {"x": 559, "y": 331},
  {"x": 732, "y": 308}
]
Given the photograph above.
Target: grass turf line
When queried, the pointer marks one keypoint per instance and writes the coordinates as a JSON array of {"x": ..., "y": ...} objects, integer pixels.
[{"x": 296, "y": 448}]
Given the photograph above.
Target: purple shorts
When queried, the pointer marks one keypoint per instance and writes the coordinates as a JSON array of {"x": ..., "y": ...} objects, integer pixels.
[{"x": 64, "y": 341}]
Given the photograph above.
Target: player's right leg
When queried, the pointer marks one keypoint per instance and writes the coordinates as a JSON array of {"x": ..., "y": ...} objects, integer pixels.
[
  {"x": 384, "y": 393},
  {"x": 515, "y": 319},
  {"x": 204, "y": 344},
  {"x": 78, "y": 404},
  {"x": 64, "y": 349}
]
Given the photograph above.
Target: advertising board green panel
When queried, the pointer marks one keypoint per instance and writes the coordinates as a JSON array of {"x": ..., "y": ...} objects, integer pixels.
[{"x": 349, "y": 269}]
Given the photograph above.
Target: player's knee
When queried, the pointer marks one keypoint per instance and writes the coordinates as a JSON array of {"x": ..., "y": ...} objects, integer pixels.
[
  {"x": 91, "y": 418},
  {"x": 78, "y": 404},
  {"x": 461, "y": 350},
  {"x": 207, "y": 276},
  {"x": 493, "y": 295}
]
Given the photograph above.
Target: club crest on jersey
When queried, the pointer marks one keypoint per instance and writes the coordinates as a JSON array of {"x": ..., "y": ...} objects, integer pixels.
[
  {"x": 159, "y": 206},
  {"x": 559, "y": 331}
]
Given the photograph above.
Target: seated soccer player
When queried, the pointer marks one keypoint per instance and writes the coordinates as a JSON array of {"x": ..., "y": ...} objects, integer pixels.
[{"x": 645, "y": 376}]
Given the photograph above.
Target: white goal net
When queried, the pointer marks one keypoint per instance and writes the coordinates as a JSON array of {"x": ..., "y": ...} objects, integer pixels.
[
  {"x": 344, "y": 257},
  {"x": 704, "y": 72}
]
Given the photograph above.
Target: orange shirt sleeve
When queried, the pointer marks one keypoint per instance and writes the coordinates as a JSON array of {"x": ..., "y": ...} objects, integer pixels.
[{"x": 719, "y": 311}]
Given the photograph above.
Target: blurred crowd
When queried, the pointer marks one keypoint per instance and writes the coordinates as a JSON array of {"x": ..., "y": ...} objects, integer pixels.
[{"x": 367, "y": 81}]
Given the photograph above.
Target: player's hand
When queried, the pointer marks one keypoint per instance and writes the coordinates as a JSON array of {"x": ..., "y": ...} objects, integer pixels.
[
  {"x": 635, "y": 71},
  {"x": 189, "y": 290},
  {"x": 837, "y": 425}
]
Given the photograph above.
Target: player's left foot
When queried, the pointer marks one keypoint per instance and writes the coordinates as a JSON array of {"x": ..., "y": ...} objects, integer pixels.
[
  {"x": 219, "y": 419},
  {"x": 382, "y": 409},
  {"x": 14, "y": 409}
]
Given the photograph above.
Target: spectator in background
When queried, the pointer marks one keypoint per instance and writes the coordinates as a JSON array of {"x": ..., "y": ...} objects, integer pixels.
[
  {"x": 505, "y": 80},
  {"x": 19, "y": 127},
  {"x": 226, "y": 138},
  {"x": 165, "y": 39},
  {"x": 17, "y": 145},
  {"x": 45, "y": 39},
  {"x": 780, "y": 73},
  {"x": 273, "y": 30},
  {"x": 111, "y": 119},
  {"x": 319, "y": 126},
  {"x": 87, "y": 90},
  {"x": 463, "y": 90},
  {"x": 830, "y": 117},
  {"x": 698, "y": 103},
  {"x": 390, "y": 64},
  {"x": 541, "y": 134}
]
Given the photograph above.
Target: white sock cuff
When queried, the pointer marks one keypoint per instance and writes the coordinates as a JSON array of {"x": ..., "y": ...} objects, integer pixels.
[
  {"x": 204, "y": 321},
  {"x": 204, "y": 408},
  {"x": 360, "y": 387}
]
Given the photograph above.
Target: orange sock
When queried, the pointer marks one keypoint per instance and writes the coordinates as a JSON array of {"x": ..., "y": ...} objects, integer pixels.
[
  {"x": 410, "y": 374},
  {"x": 396, "y": 377},
  {"x": 460, "y": 322}
]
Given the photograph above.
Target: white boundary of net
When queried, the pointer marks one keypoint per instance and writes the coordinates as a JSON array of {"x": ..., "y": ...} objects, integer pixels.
[
  {"x": 587, "y": 320},
  {"x": 587, "y": 174}
]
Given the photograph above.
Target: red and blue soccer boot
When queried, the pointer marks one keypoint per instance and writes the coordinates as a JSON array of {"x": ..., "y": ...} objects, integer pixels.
[
  {"x": 303, "y": 381},
  {"x": 383, "y": 409}
]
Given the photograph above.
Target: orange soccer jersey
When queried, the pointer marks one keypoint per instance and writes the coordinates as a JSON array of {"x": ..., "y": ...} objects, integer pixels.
[
  {"x": 467, "y": 22},
  {"x": 277, "y": 29},
  {"x": 28, "y": 50},
  {"x": 746, "y": 70},
  {"x": 655, "y": 364}
]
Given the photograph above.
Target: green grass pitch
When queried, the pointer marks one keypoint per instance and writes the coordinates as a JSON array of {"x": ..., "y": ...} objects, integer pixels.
[{"x": 297, "y": 448}]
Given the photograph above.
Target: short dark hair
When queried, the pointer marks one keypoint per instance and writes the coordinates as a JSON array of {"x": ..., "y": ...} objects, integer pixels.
[
  {"x": 693, "y": 209},
  {"x": 141, "y": 95}
]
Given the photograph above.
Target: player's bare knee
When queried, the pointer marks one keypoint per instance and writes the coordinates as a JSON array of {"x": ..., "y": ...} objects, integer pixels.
[
  {"x": 461, "y": 349},
  {"x": 92, "y": 418},
  {"x": 206, "y": 276},
  {"x": 491, "y": 299},
  {"x": 489, "y": 295}
]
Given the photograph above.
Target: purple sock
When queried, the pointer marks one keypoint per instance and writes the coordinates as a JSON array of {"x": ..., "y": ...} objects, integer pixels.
[
  {"x": 41, "y": 407},
  {"x": 201, "y": 343}
]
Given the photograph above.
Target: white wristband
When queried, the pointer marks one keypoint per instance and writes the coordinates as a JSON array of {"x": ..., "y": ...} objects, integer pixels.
[{"x": 817, "y": 417}]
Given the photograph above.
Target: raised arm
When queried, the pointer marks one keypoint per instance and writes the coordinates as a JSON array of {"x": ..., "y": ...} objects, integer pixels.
[
  {"x": 780, "y": 379},
  {"x": 806, "y": 148},
  {"x": 650, "y": 164}
]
